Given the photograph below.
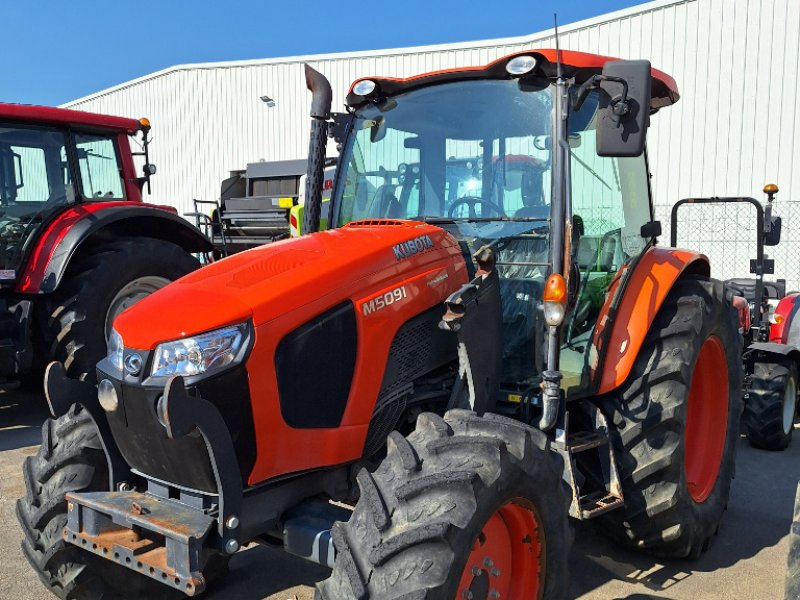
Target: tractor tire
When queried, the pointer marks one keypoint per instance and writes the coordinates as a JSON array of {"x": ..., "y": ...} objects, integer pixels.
[
  {"x": 676, "y": 425},
  {"x": 771, "y": 405},
  {"x": 793, "y": 560},
  {"x": 463, "y": 504},
  {"x": 98, "y": 285},
  {"x": 70, "y": 459}
]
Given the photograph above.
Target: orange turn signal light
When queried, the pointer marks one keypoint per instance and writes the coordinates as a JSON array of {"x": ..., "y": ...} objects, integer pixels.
[
  {"x": 778, "y": 319},
  {"x": 555, "y": 289}
]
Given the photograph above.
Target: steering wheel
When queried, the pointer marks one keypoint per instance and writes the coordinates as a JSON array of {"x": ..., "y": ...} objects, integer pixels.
[{"x": 472, "y": 202}]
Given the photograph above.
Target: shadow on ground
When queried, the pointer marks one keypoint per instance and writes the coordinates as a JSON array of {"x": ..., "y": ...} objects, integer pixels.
[
  {"x": 759, "y": 515},
  {"x": 21, "y": 416}
]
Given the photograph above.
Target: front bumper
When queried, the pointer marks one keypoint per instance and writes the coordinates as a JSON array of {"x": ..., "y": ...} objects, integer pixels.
[{"x": 160, "y": 538}]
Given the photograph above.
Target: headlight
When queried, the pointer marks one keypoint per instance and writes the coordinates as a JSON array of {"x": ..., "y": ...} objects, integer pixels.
[
  {"x": 115, "y": 349},
  {"x": 200, "y": 355}
]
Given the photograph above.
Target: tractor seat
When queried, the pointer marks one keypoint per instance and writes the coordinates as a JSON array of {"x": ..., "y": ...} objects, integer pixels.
[
  {"x": 587, "y": 257},
  {"x": 386, "y": 203},
  {"x": 746, "y": 288}
]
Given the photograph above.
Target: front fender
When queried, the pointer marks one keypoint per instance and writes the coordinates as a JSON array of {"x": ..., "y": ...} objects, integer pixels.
[
  {"x": 62, "y": 392},
  {"x": 785, "y": 329},
  {"x": 62, "y": 238},
  {"x": 631, "y": 306}
]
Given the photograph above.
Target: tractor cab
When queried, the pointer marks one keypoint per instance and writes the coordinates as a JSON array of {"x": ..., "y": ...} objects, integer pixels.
[
  {"x": 476, "y": 157},
  {"x": 50, "y": 159}
]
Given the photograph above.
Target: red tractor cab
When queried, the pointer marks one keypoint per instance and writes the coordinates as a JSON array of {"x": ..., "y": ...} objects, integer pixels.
[{"x": 77, "y": 243}]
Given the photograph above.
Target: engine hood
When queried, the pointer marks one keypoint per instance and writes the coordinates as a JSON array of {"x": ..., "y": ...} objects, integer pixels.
[{"x": 263, "y": 283}]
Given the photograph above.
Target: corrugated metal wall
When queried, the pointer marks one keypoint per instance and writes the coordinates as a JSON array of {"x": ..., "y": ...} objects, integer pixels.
[{"x": 736, "y": 63}]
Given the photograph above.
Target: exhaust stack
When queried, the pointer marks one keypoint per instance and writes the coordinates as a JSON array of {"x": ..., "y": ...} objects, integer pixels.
[{"x": 321, "y": 99}]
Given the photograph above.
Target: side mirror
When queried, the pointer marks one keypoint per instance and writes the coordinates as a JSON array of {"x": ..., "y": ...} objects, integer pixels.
[
  {"x": 624, "y": 110},
  {"x": 772, "y": 237}
]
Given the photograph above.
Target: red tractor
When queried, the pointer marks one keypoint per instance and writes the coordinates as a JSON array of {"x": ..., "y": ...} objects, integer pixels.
[
  {"x": 77, "y": 244},
  {"x": 771, "y": 356},
  {"x": 474, "y": 352}
]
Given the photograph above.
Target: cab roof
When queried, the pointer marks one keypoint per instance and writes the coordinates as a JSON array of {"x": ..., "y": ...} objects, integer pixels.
[
  {"x": 580, "y": 65},
  {"x": 61, "y": 116}
]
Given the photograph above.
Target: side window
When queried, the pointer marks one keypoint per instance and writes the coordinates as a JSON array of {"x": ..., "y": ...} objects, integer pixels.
[
  {"x": 610, "y": 203},
  {"x": 609, "y": 194},
  {"x": 101, "y": 175},
  {"x": 30, "y": 166}
]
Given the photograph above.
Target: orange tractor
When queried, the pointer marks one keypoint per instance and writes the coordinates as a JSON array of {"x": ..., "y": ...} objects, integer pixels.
[{"x": 486, "y": 343}]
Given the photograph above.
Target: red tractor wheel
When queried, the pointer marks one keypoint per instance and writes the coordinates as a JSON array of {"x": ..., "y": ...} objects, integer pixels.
[
  {"x": 676, "y": 425},
  {"x": 465, "y": 507}
]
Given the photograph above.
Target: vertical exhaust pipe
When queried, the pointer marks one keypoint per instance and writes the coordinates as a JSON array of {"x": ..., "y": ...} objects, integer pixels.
[{"x": 321, "y": 96}]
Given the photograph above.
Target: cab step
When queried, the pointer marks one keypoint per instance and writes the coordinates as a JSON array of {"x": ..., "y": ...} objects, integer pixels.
[
  {"x": 594, "y": 505},
  {"x": 591, "y": 451}
]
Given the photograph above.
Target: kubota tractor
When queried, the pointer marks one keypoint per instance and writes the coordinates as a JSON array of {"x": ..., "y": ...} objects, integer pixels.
[
  {"x": 77, "y": 244},
  {"x": 470, "y": 405}
]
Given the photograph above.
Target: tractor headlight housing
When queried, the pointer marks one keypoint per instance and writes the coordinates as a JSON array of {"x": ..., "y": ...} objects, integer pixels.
[
  {"x": 205, "y": 354},
  {"x": 115, "y": 349}
]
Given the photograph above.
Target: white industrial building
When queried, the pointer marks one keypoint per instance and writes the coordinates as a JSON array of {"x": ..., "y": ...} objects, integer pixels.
[{"x": 737, "y": 64}]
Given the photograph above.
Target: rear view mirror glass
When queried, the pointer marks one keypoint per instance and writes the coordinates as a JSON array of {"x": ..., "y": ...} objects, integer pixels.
[
  {"x": 773, "y": 236},
  {"x": 624, "y": 109}
]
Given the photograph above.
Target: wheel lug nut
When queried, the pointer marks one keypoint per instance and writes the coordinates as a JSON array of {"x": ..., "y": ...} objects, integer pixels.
[
  {"x": 466, "y": 595},
  {"x": 495, "y": 572},
  {"x": 487, "y": 562},
  {"x": 494, "y": 594},
  {"x": 475, "y": 571}
]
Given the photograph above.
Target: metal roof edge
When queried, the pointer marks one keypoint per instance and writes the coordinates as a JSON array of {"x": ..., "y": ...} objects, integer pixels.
[{"x": 477, "y": 44}]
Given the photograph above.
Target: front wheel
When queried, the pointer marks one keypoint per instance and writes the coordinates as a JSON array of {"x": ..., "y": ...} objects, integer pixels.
[{"x": 465, "y": 507}]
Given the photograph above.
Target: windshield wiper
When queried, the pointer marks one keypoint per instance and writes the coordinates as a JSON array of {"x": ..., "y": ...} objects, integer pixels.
[{"x": 591, "y": 170}]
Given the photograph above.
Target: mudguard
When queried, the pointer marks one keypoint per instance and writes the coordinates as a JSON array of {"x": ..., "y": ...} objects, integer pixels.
[
  {"x": 631, "y": 305},
  {"x": 760, "y": 350},
  {"x": 57, "y": 245}
]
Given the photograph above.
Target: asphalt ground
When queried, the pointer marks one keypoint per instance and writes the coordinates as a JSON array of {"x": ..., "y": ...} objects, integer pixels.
[{"x": 747, "y": 560}]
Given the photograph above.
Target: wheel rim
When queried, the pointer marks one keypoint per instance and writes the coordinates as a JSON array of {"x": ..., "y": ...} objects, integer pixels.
[
  {"x": 507, "y": 557},
  {"x": 789, "y": 405},
  {"x": 130, "y": 294},
  {"x": 706, "y": 420}
]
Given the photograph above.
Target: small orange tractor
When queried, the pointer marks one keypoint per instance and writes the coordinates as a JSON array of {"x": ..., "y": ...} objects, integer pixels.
[{"x": 486, "y": 342}]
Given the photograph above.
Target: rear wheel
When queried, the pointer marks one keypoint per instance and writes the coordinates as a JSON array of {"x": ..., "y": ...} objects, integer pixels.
[
  {"x": 676, "y": 425},
  {"x": 465, "y": 507},
  {"x": 771, "y": 405},
  {"x": 97, "y": 287}
]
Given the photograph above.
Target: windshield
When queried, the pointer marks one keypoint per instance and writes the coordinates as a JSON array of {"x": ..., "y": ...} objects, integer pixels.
[
  {"x": 473, "y": 149},
  {"x": 475, "y": 157}
]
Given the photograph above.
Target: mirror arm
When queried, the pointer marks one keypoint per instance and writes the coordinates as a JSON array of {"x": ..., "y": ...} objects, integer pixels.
[
  {"x": 619, "y": 105},
  {"x": 590, "y": 84}
]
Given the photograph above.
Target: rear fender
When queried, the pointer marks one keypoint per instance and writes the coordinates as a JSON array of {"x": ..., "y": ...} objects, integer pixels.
[
  {"x": 630, "y": 308},
  {"x": 767, "y": 351},
  {"x": 66, "y": 234},
  {"x": 785, "y": 328}
]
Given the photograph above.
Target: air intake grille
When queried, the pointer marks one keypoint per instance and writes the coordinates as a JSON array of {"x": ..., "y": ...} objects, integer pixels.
[{"x": 381, "y": 223}]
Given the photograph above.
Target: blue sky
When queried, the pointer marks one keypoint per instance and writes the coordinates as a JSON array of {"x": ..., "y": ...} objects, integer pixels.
[{"x": 54, "y": 50}]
